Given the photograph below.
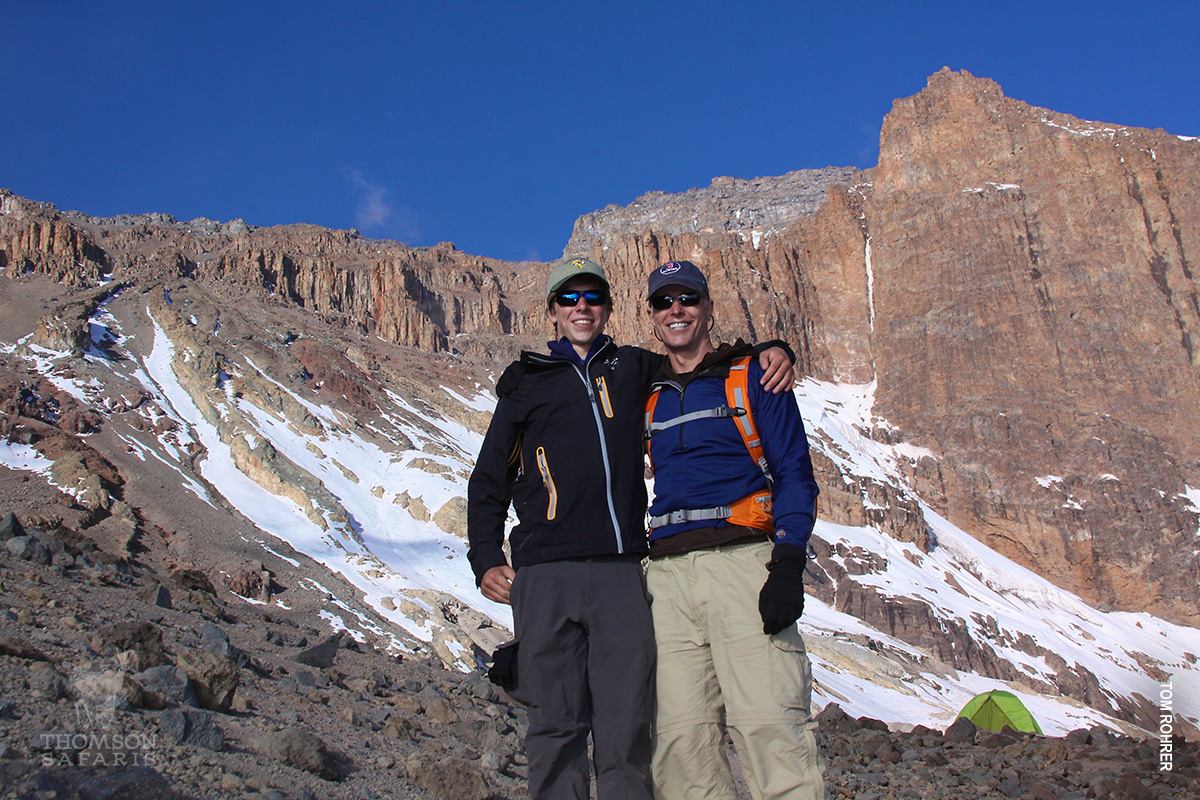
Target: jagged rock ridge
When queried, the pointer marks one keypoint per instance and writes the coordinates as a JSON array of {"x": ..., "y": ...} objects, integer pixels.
[
  {"x": 845, "y": 280},
  {"x": 1017, "y": 283}
]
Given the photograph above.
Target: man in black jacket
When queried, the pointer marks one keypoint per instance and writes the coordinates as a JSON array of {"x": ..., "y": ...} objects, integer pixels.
[{"x": 565, "y": 447}]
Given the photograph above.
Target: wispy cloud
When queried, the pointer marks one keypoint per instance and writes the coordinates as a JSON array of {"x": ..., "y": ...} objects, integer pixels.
[{"x": 376, "y": 215}]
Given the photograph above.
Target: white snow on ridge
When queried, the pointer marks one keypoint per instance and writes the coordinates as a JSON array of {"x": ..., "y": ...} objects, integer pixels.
[
  {"x": 484, "y": 401},
  {"x": 383, "y": 551},
  {"x": 1000, "y": 593},
  {"x": 1103, "y": 132},
  {"x": 1192, "y": 495},
  {"x": 401, "y": 564},
  {"x": 24, "y": 457}
]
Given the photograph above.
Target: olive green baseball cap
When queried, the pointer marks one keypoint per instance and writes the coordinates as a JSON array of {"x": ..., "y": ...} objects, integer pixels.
[{"x": 573, "y": 268}]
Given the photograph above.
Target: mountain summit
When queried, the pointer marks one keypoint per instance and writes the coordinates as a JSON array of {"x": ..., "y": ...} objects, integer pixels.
[{"x": 996, "y": 326}]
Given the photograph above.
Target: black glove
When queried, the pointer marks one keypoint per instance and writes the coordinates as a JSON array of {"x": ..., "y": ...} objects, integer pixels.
[{"x": 781, "y": 601}]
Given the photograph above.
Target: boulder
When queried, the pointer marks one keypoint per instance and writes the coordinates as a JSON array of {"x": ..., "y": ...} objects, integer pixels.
[
  {"x": 214, "y": 678},
  {"x": 170, "y": 683},
  {"x": 99, "y": 686},
  {"x": 302, "y": 750},
  {"x": 448, "y": 778},
  {"x": 192, "y": 726},
  {"x": 10, "y": 526},
  {"x": 142, "y": 637},
  {"x": 17, "y": 648},
  {"x": 320, "y": 655},
  {"x": 962, "y": 731}
]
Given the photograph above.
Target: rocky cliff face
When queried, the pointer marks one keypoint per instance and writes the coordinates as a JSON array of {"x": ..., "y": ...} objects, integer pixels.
[
  {"x": 416, "y": 297},
  {"x": 1036, "y": 312},
  {"x": 777, "y": 251},
  {"x": 1015, "y": 282},
  {"x": 1018, "y": 284}
]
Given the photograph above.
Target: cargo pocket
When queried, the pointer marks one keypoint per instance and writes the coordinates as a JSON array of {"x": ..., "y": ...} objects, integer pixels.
[
  {"x": 548, "y": 480},
  {"x": 791, "y": 673}
]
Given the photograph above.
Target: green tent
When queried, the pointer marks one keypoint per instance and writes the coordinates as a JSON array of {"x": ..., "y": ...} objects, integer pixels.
[{"x": 995, "y": 709}]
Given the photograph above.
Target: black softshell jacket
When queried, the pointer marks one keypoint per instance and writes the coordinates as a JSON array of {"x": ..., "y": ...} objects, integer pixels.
[{"x": 565, "y": 446}]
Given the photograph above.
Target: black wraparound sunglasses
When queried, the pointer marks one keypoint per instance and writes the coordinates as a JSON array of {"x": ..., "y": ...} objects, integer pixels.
[
  {"x": 593, "y": 297},
  {"x": 661, "y": 302}
]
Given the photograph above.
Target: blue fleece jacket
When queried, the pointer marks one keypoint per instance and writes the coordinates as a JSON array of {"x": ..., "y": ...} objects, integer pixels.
[{"x": 704, "y": 462}]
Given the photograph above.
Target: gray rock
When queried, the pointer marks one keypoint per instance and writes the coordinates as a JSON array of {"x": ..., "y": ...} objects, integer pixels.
[
  {"x": 156, "y": 594},
  {"x": 10, "y": 526},
  {"x": 321, "y": 655},
  {"x": 52, "y": 543},
  {"x": 449, "y": 778},
  {"x": 47, "y": 684},
  {"x": 102, "y": 687},
  {"x": 170, "y": 683},
  {"x": 484, "y": 691},
  {"x": 216, "y": 641},
  {"x": 834, "y": 720},
  {"x": 192, "y": 726},
  {"x": 1010, "y": 787},
  {"x": 302, "y": 750},
  {"x": 20, "y": 649},
  {"x": 214, "y": 678},
  {"x": 29, "y": 549},
  {"x": 138, "y": 783},
  {"x": 142, "y": 637},
  {"x": 961, "y": 732},
  {"x": 1079, "y": 736},
  {"x": 212, "y": 634}
]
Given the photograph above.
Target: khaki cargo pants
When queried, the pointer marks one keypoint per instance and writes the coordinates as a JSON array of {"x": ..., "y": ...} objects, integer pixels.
[{"x": 717, "y": 669}]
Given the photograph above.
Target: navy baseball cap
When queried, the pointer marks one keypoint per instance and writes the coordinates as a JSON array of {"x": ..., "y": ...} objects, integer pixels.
[{"x": 679, "y": 273}]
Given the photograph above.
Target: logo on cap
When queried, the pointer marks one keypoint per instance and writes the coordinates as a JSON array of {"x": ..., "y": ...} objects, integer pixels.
[
  {"x": 578, "y": 263},
  {"x": 670, "y": 268}
]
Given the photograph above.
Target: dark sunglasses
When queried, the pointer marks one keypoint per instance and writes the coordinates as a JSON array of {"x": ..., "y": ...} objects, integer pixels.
[
  {"x": 661, "y": 302},
  {"x": 593, "y": 297}
]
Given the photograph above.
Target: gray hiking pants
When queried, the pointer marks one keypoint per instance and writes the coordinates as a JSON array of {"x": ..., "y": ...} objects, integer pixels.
[{"x": 585, "y": 663}]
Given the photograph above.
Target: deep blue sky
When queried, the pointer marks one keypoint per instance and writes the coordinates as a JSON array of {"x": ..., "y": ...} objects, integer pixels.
[{"x": 494, "y": 125}]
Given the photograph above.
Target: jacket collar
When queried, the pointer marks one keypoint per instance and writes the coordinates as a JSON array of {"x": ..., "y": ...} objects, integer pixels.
[
  {"x": 715, "y": 363},
  {"x": 562, "y": 351}
]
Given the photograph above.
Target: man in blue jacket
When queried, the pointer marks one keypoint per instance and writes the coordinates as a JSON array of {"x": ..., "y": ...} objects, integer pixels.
[
  {"x": 565, "y": 447},
  {"x": 734, "y": 505}
]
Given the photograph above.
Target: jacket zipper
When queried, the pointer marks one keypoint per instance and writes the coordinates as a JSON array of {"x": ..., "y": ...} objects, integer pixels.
[
  {"x": 679, "y": 390},
  {"x": 544, "y": 468},
  {"x": 608, "y": 491}
]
